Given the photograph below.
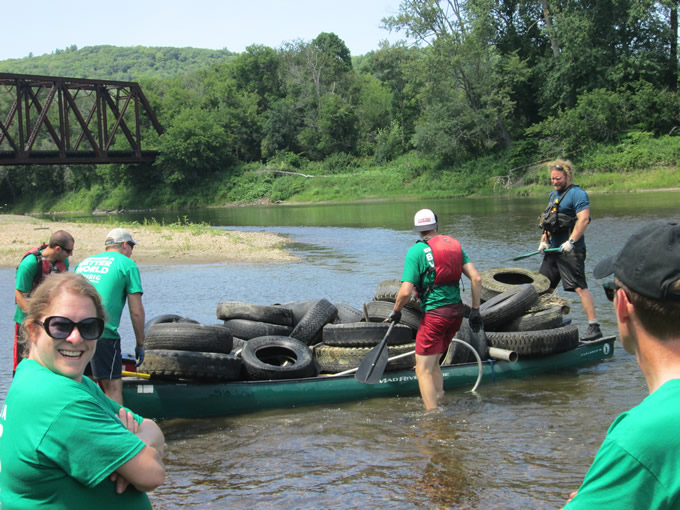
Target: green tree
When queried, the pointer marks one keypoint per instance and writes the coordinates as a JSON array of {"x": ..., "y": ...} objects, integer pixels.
[
  {"x": 467, "y": 96},
  {"x": 194, "y": 146},
  {"x": 399, "y": 68},
  {"x": 257, "y": 70}
]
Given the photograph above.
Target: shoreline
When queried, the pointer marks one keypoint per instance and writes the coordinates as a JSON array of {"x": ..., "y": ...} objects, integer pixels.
[{"x": 157, "y": 244}]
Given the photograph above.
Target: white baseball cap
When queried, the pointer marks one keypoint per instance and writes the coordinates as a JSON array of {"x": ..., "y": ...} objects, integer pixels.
[
  {"x": 424, "y": 220},
  {"x": 119, "y": 235}
]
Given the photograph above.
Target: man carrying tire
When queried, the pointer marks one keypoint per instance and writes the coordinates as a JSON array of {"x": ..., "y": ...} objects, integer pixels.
[
  {"x": 564, "y": 224},
  {"x": 637, "y": 463},
  {"x": 116, "y": 277},
  {"x": 433, "y": 266}
]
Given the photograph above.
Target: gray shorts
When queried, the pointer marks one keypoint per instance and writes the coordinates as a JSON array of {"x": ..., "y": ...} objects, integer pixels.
[
  {"x": 107, "y": 362},
  {"x": 568, "y": 267}
]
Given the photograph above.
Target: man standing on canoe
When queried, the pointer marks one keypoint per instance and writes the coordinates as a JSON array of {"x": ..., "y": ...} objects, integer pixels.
[
  {"x": 638, "y": 463},
  {"x": 116, "y": 277},
  {"x": 564, "y": 224},
  {"x": 433, "y": 267}
]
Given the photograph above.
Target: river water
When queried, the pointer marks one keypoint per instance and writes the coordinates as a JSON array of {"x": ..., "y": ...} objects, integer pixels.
[{"x": 517, "y": 444}]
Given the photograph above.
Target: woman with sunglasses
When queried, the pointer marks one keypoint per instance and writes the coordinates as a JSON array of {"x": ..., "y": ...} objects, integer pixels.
[{"x": 63, "y": 442}]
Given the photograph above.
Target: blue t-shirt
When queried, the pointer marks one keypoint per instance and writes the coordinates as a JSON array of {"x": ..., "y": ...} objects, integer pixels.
[{"x": 572, "y": 202}]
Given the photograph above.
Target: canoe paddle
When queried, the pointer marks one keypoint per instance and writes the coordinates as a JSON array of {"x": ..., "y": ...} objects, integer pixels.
[
  {"x": 547, "y": 250},
  {"x": 373, "y": 365}
]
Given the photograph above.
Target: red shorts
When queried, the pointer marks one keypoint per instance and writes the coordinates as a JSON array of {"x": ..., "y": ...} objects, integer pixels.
[{"x": 437, "y": 328}]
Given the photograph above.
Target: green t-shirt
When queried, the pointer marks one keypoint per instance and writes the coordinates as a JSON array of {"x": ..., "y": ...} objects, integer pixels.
[
  {"x": 415, "y": 268},
  {"x": 60, "y": 440},
  {"x": 26, "y": 272},
  {"x": 638, "y": 463},
  {"x": 114, "y": 276}
]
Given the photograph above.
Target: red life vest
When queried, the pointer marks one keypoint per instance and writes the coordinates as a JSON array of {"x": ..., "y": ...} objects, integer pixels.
[
  {"x": 446, "y": 261},
  {"x": 45, "y": 267}
]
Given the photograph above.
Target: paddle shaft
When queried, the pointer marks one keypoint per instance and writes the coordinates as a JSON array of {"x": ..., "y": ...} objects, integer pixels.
[{"x": 547, "y": 250}]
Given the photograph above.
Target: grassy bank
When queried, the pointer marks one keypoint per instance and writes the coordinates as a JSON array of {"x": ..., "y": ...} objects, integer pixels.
[{"x": 638, "y": 163}]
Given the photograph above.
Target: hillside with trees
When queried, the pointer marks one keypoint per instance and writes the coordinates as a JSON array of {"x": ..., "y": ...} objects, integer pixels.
[
  {"x": 117, "y": 63},
  {"x": 477, "y": 94}
]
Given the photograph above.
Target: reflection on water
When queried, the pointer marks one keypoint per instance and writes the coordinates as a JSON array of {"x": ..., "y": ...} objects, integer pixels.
[{"x": 519, "y": 444}]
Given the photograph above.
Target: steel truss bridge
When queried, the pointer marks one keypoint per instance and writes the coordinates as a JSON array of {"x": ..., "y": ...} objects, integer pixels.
[{"x": 51, "y": 120}]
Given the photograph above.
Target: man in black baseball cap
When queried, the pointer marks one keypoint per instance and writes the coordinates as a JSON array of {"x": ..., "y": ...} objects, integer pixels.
[{"x": 638, "y": 462}]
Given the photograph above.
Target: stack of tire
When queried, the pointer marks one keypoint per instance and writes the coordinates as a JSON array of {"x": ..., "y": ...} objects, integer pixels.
[
  {"x": 345, "y": 344},
  {"x": 180, "y": 348},
  {"x": 274, "y": 341},
  {"x": 519, "y": 315}
]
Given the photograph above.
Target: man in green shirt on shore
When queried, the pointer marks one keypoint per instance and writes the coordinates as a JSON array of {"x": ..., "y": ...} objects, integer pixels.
[{"x": 116, "y": 277}]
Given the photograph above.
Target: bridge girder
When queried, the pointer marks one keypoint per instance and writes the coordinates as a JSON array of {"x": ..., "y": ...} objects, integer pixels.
[{"x": 58, "y": 120}]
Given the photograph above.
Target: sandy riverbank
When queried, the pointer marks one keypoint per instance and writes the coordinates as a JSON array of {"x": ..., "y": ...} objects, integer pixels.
[{"x": 158, "y": 245}]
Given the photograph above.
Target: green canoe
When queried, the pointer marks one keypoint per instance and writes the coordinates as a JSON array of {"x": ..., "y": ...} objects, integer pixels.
[{"x": 165, "y": 400}]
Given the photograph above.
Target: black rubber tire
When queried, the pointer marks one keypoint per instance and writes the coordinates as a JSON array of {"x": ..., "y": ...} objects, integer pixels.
[
  {"x": 246, "y": 329},
  {"x": 277, "y": 357},
  {"x": 458, "y": 353},
  {"x": 378, "y": 311},
  {"x": 167, "y": 318},
  {"x": 162, "y": 319},
  {"x": 309, "y": 329},
  {"x": 237, "y": 345},
  {"x": 387, "y": 291},
  {"x": 347, "y": 314},
  {"x": 498, "y": 280},
  {"x": 183, "y": 336},
  {"x": 507, "y": 306},
  {"x": 365, "y": 334},
  {"x": 535, "y": 343},
  {"x": 208, "y": 366},
  {"x": 333, "y": 359},
  {"x": 299, "y": 308},
  {"x": 467, "y": 304},
  {"x": 549, "y": 318},
  {"x": 228, "y": 310}
]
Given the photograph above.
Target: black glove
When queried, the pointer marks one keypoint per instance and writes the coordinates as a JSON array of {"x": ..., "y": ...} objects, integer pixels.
[
  {"x": 394, "y": 316},
  {"x": 475, "y": 320}
]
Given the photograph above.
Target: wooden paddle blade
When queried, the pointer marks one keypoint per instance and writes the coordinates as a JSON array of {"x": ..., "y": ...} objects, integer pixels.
[{"x": 373, "y": 365}]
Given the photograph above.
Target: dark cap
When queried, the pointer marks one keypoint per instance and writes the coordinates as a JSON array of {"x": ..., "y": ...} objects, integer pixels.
[{"x": 649, "y": 262}]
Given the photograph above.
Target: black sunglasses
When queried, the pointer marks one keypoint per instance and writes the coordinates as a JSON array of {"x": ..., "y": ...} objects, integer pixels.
[
  {"x": 610, "y": 289},
  {"x": 61, "y": 327},
  {"x": 68, "y": 252},
  {"x": 557, "y": 167}
]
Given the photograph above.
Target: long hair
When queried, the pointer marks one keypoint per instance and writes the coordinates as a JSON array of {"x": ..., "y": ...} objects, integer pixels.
[
  {"x": 45, "y": 293},
  {"x": 564, "y": 165}
]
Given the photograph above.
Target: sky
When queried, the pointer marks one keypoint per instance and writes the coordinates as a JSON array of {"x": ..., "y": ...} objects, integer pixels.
[{"x": 213, "y": 24}]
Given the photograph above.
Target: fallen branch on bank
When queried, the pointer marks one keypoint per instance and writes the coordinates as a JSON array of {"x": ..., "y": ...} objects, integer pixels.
[{"x": 282, "y": 172}]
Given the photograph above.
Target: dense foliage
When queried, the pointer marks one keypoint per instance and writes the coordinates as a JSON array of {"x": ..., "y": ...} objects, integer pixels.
[
  {"x": 117, "y": 63},
  {"x": 482, "y": 90}
]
